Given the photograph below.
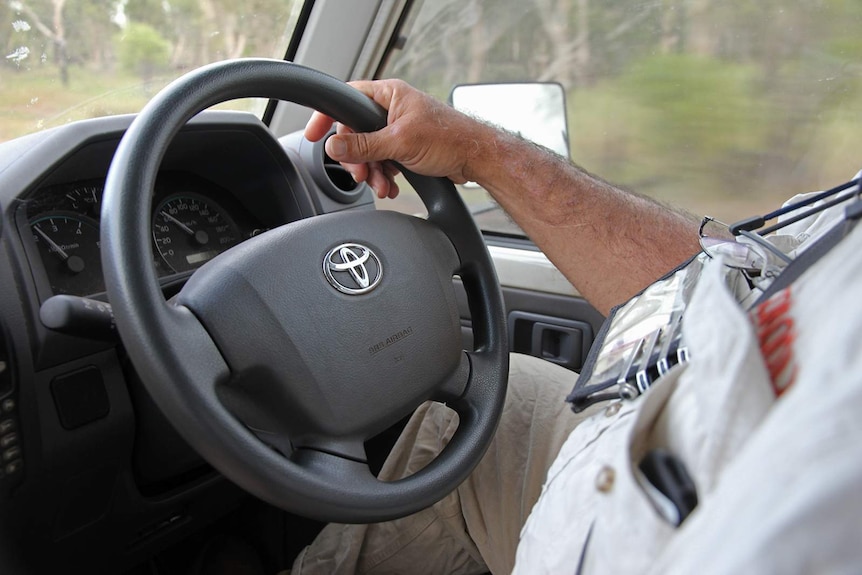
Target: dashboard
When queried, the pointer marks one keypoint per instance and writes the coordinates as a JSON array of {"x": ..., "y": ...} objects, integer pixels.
[
  {"x": 223, "y": 180},
  {"x": 193, "y": 221},
  {"x": 89, "y": 467}
]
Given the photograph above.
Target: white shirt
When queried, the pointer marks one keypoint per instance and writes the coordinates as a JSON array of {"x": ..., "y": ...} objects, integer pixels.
[{"x": 779, "y": 477}]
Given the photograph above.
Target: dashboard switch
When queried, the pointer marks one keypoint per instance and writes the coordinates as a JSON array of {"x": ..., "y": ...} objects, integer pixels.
[
  {"x": 6, "y": 426},
  {"x": 8, "y": 440},
  {"x": 80, "y": 397},
  {"x": 14, "y": 467},
  {"x": 12, "y": 454}
]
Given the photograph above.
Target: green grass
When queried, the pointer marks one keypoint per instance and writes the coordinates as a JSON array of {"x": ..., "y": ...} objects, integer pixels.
[{"x": 35, "y": 99}]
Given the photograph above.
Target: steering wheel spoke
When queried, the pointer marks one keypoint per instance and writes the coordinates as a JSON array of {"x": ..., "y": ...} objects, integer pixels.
[
  {"x": 311, "y": 454},
  {"x": 193, "y": 345},
  {"x": 335, "y": 468}
]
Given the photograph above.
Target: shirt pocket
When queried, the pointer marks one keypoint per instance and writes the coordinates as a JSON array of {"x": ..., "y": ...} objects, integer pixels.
[
  {"x": 629, "y": 530},
  {"x": 701, "y": 414}
]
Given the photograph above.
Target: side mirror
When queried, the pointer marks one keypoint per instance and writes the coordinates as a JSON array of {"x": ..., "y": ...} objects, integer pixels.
[{"x": 535, "y": 110}]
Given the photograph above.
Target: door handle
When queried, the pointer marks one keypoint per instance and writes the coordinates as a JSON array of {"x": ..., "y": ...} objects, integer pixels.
[{"x": 562, "y": 341}]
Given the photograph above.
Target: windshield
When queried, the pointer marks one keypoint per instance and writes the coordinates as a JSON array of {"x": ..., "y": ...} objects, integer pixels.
[
  {"x": 723, "y": 107},
  {"x": 67, "y": 61}
]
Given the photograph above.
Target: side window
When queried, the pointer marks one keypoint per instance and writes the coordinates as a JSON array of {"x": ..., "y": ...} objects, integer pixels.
[{"x": 723, "y": 108}]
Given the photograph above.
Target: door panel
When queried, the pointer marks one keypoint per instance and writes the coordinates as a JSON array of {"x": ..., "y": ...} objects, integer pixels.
[{"x": 555, "y": 327}]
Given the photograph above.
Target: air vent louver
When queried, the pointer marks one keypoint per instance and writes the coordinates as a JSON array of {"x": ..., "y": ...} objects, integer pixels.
[
  {"x": 338, "y": 176},
  {"x": 332, "y": 179}
]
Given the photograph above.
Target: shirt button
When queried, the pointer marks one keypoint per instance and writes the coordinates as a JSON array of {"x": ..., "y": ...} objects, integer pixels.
[
  {"x": 613, "y": 409},
  {"x": 605, "y": 479}
]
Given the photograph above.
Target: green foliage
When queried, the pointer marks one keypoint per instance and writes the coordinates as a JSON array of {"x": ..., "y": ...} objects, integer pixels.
[
  {"x": 673, "y": 118},
  {"x": 143, "y": 50},
  {"x": 149, "y": 12},
  {"x": 706, "y": 103}
]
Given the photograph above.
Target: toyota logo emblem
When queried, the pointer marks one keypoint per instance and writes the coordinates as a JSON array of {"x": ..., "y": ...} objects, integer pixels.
[{"x": 352, "y": 269}]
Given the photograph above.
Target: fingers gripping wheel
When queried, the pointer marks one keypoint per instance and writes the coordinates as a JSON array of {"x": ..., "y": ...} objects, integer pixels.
[{"x": 281, "y": 356}]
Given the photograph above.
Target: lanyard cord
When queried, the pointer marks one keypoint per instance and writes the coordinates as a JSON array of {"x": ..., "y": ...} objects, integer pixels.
[{"x": 756, "y": 222}]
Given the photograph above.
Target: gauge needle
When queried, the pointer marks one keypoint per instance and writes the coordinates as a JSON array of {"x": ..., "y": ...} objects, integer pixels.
[
  {"x": 51, "y": 243},
  {"x": 74, "y": 263},
  {"x": 200, "y": 236},
  {"x": 182, "y": 226}
]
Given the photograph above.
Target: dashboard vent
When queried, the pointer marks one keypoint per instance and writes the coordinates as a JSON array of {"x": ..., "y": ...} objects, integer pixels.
[
  {"x": 330, "y": 177},
  {"x": 338, "y": 176}
]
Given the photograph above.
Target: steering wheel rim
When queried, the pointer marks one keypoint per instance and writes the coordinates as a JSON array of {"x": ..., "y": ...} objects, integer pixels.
[{"x": 180, "y": 352}]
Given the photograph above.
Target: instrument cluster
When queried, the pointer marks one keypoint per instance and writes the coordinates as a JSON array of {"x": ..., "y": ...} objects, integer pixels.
[{"x": 193, "y": 221}]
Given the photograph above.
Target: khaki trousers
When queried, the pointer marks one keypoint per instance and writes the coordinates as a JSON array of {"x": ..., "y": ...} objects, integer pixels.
[{"x": 474, "y": 529}]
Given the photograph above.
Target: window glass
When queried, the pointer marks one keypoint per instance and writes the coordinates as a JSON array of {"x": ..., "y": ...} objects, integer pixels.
[
  {"x": 71, "y": 60},
  {"x": 723, "y": 107}
]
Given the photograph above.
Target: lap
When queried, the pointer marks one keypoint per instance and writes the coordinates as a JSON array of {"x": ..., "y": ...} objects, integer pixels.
[{"x": 476, "y": 527}]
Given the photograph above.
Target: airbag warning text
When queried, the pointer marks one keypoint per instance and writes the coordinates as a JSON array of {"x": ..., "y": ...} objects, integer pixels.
[{"x": 392, "y": 339}]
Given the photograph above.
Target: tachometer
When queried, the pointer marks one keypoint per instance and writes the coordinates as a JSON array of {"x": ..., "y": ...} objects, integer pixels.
[
  {"x": 69, "y": 247},
  {"x": 189, "y": 230}
]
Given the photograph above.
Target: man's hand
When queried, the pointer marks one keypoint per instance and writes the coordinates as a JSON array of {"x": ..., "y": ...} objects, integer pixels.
[{"x": 422, "y": 134}]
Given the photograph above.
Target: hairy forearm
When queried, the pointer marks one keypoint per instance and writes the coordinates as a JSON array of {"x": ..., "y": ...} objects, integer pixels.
[{"x": 608, "y": 242}]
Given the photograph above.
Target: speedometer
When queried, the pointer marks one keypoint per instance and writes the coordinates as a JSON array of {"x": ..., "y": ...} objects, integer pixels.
[{"x": 189, "y": 230}]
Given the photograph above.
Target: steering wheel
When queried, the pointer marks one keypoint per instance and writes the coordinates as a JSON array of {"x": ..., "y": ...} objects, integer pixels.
[{"x": 281, "y": 356}]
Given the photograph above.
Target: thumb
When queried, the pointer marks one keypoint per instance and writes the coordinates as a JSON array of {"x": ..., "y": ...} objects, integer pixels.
[{"x": 355, "y": 148}]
